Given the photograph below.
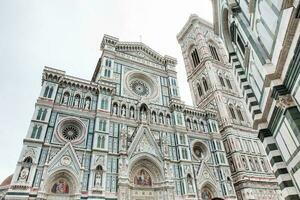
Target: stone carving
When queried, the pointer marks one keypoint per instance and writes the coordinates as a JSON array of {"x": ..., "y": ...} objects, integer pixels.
[
  {"x": 87, "y": 104},
  {"x": 66, "y": 160},
  {"x": 285, "y": 101},
  {"x": 24, "y": 174}
]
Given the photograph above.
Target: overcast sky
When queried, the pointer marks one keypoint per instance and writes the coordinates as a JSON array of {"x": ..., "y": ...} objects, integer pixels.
[{"x": 66, "y": 34}]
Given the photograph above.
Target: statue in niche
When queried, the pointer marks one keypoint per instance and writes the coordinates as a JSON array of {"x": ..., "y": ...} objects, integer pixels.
[
  {"x": 87, "y": 104},
  {"x": 190, "y": 183},
  {"x": 66, "y": 98},
  {"x": 168, "y": 121},
  {"x": 131, "y": 113},
  {"x": 123, "y": 111},
  {"x": 115, "y": 109},
  {"x": 153, "y": 117},
  {"x": 76, "y": 101},
  {"x": 98, "y": 179},
  {"x": 144, "y": 115},
  {"x": 24, "y": 174}
]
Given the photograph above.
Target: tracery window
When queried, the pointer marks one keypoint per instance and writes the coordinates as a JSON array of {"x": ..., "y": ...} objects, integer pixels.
[
  {"x": 228, "y": 83},
  {"x": 199, "y": 89},
  {"x": 214, "y": 52},
  {"x": 41, "y": 114},
  {"x": 36, "y": 132},
  {"x": 222, "y": 80},
  {"x": 238, "y": 110},
  {"x": 104, "y": 103},
  {"x": 48, "y": 92},
  {"x": 101, "y": 141},
  {"x": 195, "y": 57},
  {"x": 205, "y": 84},
  {"x": 232, "y": 112}
]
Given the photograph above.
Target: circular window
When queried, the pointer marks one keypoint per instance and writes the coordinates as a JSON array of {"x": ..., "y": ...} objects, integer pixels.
[
  {"x": 139, "y": 87},
  {"x": 71, "y": 130},
  {"x": 200, "y": 150}
]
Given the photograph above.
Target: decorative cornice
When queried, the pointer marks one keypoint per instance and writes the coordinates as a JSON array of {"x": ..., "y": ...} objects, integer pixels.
[{"x": 192, "y": 19}]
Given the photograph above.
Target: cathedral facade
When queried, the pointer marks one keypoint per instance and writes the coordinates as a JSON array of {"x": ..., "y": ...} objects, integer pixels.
[{"x": 124, "y": 134}]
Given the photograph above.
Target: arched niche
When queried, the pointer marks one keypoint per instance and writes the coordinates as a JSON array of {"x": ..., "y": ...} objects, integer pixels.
[
  {"x": 148, "y": 166},
  {"x": 62, "y": 185}
]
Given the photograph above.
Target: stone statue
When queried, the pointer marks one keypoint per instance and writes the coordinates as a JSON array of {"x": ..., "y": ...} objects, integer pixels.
[
  {"x": 168, "y": 121},
  {"x": 66, "y": 97},
  {"x": 143, "y": 115},
  {"x": 123, "y": 111},
  {"x": 115, "y": 109},
  {"x": 24, "y": 174},
  {"x": 76, "y": 102},
  {"x": 98, "y": 179},
  {"x": 131, "y": 113},
  {"x": 153, "y": 117},
  {"x": 87, "y": 104}
]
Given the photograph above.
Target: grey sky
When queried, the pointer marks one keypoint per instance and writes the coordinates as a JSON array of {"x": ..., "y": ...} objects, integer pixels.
[{"x": 66, "y": 34}]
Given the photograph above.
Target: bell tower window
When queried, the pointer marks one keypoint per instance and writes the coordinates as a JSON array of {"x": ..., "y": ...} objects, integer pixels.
[
  {"x": 214, "y": 52},
  {"x": 199, "y": 89},
  {"x": 195, "y": 57}
]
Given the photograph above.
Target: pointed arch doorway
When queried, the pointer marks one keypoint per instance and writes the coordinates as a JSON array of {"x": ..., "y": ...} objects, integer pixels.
[
  {"x": 146, "y": 180},
  {"x": 62, "y": 186}
]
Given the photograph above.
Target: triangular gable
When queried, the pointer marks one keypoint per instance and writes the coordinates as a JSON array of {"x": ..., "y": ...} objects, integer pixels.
[
  {"x": 144, "y": 142},
  {"x": 140, "y": 50},
  {"x": 65, "y": 158},
  {"x": 205, "y": 175},
  {"x": 211, "y": 105}
]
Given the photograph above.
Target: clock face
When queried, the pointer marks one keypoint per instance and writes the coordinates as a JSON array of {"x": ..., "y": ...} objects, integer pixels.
[{"x": 139, "y": 87}]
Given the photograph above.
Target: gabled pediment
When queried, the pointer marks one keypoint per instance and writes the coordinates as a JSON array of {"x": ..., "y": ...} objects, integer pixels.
[
  {"x": 144, "y": 142},
  {"x": 205, "y": 174},
  {"x": 140, "y": 50},
  {"x": 65, "y": 158}
]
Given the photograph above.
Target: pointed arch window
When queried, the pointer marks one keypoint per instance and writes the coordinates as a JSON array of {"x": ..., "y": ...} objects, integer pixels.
[
  {"x": 44, "y": 114},
  {"x": 232, "y": 112},
  {"x": 101, "y": 142},
  {"x": 195, "y": 57},
  {"x": 161, "y": 118},
  {"x": 104, "y": 104},
  {"x": 36, "y": 132},
  {"x": 102, "y": 125},
  {"x": 199, "y": 89},
  {"x": 239, "y": 112},
  {"x": 39, "y": 114},
  {"x": 46, "y": 91},
  {"x": 222, "y": 80},
  {"x": 214, "y": 52},
  {"x": 50, "y": 92},
  {"x": 228, "y": 83},
  {"x": 205, "y": 84}
]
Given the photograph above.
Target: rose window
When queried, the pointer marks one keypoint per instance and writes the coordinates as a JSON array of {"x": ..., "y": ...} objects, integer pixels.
[
  {"x": 139, "y": 87},
  {"x": 70, "y": 132},
  {"x": 200, "y": 150}
]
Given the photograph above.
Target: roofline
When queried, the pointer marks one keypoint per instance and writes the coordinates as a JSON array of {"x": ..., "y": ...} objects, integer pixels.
[{"x": 190, "y": 22}]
